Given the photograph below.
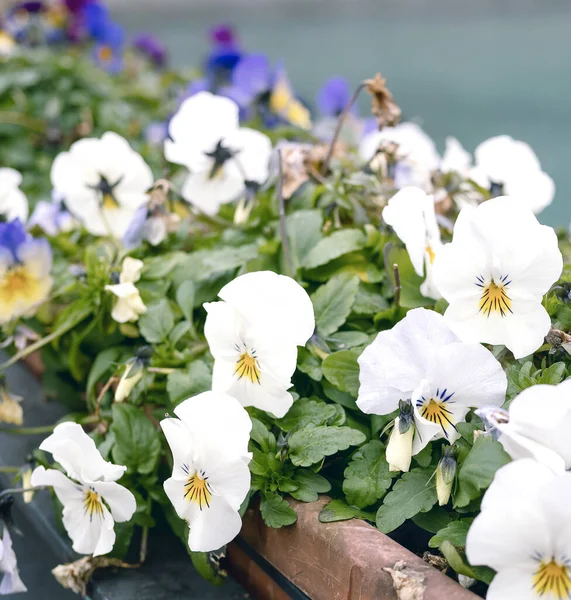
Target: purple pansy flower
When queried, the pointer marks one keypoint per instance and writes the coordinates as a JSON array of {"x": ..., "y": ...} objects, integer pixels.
[
  {"x": 333, "y": 97},
  {"x": 151, "y": 47},
  {"x": 108, "y": 51}
]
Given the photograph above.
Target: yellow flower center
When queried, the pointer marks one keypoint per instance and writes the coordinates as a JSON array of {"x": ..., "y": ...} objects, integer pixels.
[
  {"x": 197, "y": 490},
  {"x": 109, "y": 203},
  {"x": 436, "y": 411},
  {"x": 93, "y": 504},
  {"x": 247, "y": 366},
  {"x": 494, "y": 297},
  {"x": 105, "y": 53},
  {"x": 19, "y": 291},
  {"x": 552, "y": 578},
  {"x": 431, "y": 255}
]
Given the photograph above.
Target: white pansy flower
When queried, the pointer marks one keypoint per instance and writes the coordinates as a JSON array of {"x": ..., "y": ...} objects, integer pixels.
[
  {"x": 420, "y": 359},
  {"x": 524, "y": 533},
  {"x": 494, "y": 274},
  {"x": 92, "y": 500},
  {"x": 410, "y": 213},
  {"x": 416, "y": 153},
  {"x": 13, "y": 201},
  {"x": 128, "y": 306},
  {"x": 103, "y": 182},
  {"x": 205, "y": 137},
  {"x": 455, "y": 158},
  {"x": 537, "y": 425},
  {"x": 10, "y": 582},
  {"x": 253, "y": 335},
  {"x": 210, "y": 478},
  {"x": 509, "y": 167}
]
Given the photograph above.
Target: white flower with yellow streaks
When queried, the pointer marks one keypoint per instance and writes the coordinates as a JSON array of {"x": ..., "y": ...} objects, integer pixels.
[
  {"x": 10, "y": 582},
  {"x": 494, "y": 274},
  {"x": 221, "y": 156},
  {"x": 13, "y": 202},
  {"x": 210, "y": 478},
  {"x": 537, "y": 425},
  {"x": 103, "y": 182},
  {"x": 410, "y": 213},
  {"x": 129, "y": 305},
  {"x": 92, "y": 500},
  {"x": 524, "y": 533},
  {"x": 420, "y": 359},
  {"x": 509, "y": 167},
  {"x": 253, "y": 335}
]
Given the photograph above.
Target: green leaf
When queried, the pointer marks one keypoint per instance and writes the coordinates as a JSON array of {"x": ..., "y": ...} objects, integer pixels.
[
  {"x": 105, "y": 362},
  {"x": 434, "y": 520},
  {"x": 275, "y": 511},
  {"x": 137, "y": 442},
  {"x": 184, "y": 384},
  {"x": 309, "y": 485},
  {"x": 263, "y": 436},
  {"x": 332, "y": 302},
  {"x": 410, "y": 282},
  {"x": 478, "y": 469},
  {"x": 306, "y": 411},
  {"x": 157, "y": 322},
  {"x": 309, "y": 364},
  {"x": 159, "y": 267},
  {"x": 304, "y": 232},
  {"x": 414, "y": 492},
  {"x": 367, "y": 477},
  {"x": 337, "y": 510},
  {"x": 310, "y": 445},
  {"x": 455, "y": 532},
  {"x": 208, "y": 567},
  {"x": 185, "y": 295},
  {"x": 368, "y": 300},
  {"x": 348, "y": 339},
  {"x": 456, "y": 560},
  {"x": 342, "y": 370},
  {"x": 337, "y": 244}
]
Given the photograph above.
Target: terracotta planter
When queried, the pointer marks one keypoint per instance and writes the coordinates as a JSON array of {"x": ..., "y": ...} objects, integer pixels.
[{"x": 348, "y": 560}]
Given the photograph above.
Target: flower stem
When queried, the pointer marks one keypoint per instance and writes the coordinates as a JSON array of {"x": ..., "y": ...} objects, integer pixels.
[
  {"x": 9, "y": 469},
  {"x": 340, "y": 121},
  {"x": 283, "y": 229},
  {"x": 397, "y": 284},
  {"x": 28, "y": 430},
  {"x": 22, "y": 490}
]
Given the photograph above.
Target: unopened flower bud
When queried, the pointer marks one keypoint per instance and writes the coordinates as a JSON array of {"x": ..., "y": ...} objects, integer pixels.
[
  {"x": 10, "y": 408},
  {"x": 445, "y": 474},
  {"x": 132, "y": 375},
  {"x": 399, "y": 448}
]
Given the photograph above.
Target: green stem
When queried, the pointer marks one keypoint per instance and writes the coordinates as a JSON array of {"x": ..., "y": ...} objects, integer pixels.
[
  {"x": 9, "y": 469},
  {"x": 15, "y": 118},
  {"x": 22, "y": 490},
  {"x": 45, "y": 340},
  {"x": 283, "y": 228},
  {"x": 28, "y": 430}
]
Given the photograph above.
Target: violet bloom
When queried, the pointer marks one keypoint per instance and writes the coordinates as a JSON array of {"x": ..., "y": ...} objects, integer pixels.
[
  {"x": 108, "y": 51},
  {"x": 224, "y": 55},
  {"x": 76, "y": 6},
  {"x": 149, "y": 45},
  {"x": 51, "y": 217},
  {"x": 333, "y": 97},
  {"x": 96, "y": 19}
]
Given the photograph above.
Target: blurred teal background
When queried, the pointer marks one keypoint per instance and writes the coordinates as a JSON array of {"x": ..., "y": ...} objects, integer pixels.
[{"x": 468, "y": 69}]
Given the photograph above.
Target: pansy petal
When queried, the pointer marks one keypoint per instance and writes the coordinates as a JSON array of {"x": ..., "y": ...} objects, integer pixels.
[
  {"x": 120, "y": 500},
  {"x": 213, "y": 528}
]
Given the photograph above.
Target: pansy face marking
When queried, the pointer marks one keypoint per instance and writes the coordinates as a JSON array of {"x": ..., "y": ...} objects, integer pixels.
[
  {"x": 435, "y": 410},
  {"x": 106, "y": 189},
  {"x": 495, "y": 298},
  {"x": 93, "y": 504},
  {"x": 197, "y": 489},
  {"x": 219, "y": 156},
  {"x": 247, "y": 365},
  {"x": 553, "y": 578}
]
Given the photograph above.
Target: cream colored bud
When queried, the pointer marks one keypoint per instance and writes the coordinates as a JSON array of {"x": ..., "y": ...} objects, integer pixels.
[{"x": 399, "y": 448}]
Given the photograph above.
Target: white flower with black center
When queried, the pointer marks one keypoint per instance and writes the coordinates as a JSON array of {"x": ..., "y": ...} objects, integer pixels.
[
  {"x": 13, "y": 201},
  {"x": 524, "y": 532},
  {"x": 92, "y": 500},
  {"x": 222, "y": 157},
  {"x": 253, "y": 335},
  {"x": 505, "y": 166},
  {"x": 494, "y": 274},
  {"x": 410, "y": 213},
  {"x": 210, "y": 477},
  {"x": 537, "y": 425},
  {"x": 422, "y": 362},
  {"x": 103, "y": 182}
]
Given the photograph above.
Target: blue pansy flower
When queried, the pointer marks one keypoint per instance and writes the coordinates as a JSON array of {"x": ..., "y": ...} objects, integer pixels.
[
  {"x": 333, "y": 97},
  {"x": 25, "y": 265},
  {"x": 96, "y": 19},
  {"x": 150, "y": 46},
  {"x": 108, "y": 51}
]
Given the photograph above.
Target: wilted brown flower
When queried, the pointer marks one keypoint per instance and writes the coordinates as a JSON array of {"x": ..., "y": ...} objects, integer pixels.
[
  {"x": 384, "y": 108},
  {"x": 76, "y": 575}
]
